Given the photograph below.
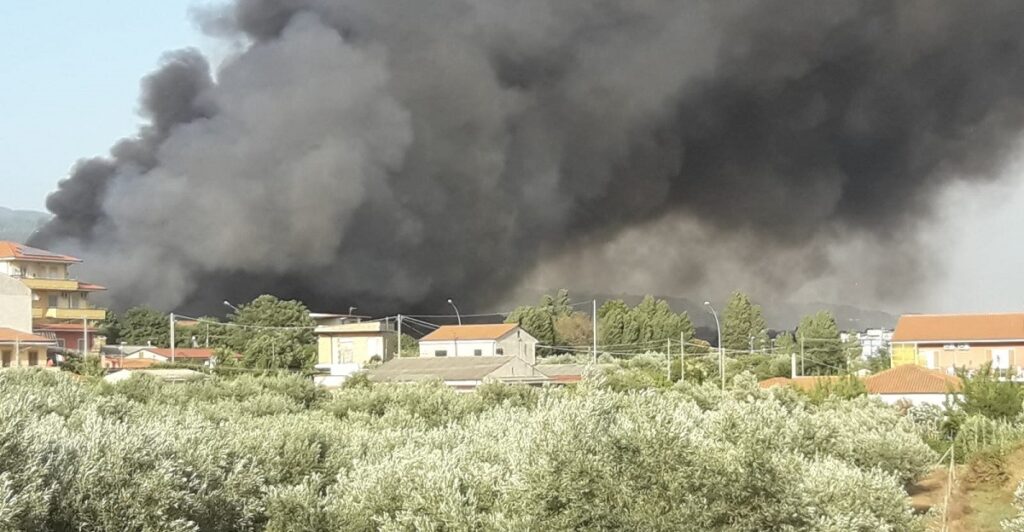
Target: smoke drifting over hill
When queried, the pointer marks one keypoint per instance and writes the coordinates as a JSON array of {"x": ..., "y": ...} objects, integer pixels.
[{"x": 398, "y": 152}]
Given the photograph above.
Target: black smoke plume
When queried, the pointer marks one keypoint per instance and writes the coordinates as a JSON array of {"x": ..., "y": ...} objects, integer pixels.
[{"x": 395, "y": 153}]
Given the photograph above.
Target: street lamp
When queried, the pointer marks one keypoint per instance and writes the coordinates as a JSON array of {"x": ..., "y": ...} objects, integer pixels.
[
  {"x": 456, "y": 310},
  {"x": 230, "y": 306},
  {"x": 721, "y": 354},
  {"x": 351, "y": 310}
]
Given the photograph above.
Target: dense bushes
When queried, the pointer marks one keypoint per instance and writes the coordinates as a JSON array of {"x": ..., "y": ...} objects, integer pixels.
[{"x": 273, "y": 453}]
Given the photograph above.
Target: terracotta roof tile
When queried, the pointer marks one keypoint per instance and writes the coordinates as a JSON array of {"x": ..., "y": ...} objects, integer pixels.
[
  {"x": 181, "y": 352},
  {"x": 490, "y": 331},
  {"x": 959, "y": 327},
  {"x": 14, "y": 250},
  {"x": 909, "y": 378},
  {"x": 12, "y": 336}
]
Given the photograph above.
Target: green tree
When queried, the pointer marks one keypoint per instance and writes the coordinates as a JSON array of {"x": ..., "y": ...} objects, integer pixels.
[
  {"x": 741, "y": 321},
  {"x": 785, "y": 344},
  {"x": 644, "y": 327},
  {"x": 140, "y": 326},
  {"x": 823, "y": 352},
  {"x": 410, "y": 346},
  {"x": 538, "y": 322},
  {"x": 616, "y": 326},
  {"x": 271, "y": 333},
  {"x": 984, "y": 394},
  {"x": 573, "y": 329}
]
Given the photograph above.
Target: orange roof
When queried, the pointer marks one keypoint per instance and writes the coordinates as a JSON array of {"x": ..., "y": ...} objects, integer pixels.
[
  {"x": 10, "y": 336},
  {"x": 959, "y": 327},
  {"x": 15, "y": 251},
  {"x": 181, "y": 352},
  {"x": 90, "y": 286},
  {"x": 489, "y": 331},
  {"x": 909, "y": 378},
  {"x": 806, "y": 382}
]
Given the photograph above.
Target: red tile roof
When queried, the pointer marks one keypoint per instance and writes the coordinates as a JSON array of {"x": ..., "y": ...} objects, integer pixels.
[
  {"x": 903, "y": 379},
  {"x": 490, "y": 331},
  {"x": 10, "y": 336},
  {"x": 90, "y": 286},
  {"x": 53, "y": 327},
  {"x": 181, "y": 352},
  {"x": 959, "y": 327},
  {"x": 909, "y": 378},
  {"x": 16, "y": 251}
]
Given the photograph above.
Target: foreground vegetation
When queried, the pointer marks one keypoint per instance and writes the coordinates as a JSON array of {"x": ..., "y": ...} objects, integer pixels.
[{"x": 275, "y": 453}]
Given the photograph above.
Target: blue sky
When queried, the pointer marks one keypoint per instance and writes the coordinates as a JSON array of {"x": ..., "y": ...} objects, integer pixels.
[{"x": 71, "y": 73}]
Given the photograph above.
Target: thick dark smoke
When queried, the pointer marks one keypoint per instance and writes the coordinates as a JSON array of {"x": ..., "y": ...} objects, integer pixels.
[{"x": 398, "y": 152}]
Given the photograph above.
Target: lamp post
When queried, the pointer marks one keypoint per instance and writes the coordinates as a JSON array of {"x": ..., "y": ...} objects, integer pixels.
[
  {"x": 457, "y": 315},
  {"x": 230, "y": 306},
  {"x": 721, "y": 354}
]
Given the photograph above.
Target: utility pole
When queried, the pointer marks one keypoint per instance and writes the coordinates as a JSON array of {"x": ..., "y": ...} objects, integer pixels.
[
  {"x": 802, "y": 355},
  {"x": 668, "y": 358},
  {"x": 172, "y": 338},
  {"x": 85, "y": 337},
  {"x": 682, "y": 358},
  {"x": 593, "y": 317},
  {"x": 399, "y": 320}
]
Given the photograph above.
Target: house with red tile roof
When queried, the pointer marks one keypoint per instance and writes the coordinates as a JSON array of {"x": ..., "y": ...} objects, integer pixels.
[
  {"x": 482, "y": 340},
  {"x": 164, "y": 354},
  {"x": 907, "y": 382},
  {"x": 22, "y": 349},
  {"x": 949, "y": 341}
]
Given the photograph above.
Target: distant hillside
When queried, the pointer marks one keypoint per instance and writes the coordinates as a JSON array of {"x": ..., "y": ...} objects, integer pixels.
[
  {"x": 18, "y": 225},
  {"x": 778, "y": 315}
]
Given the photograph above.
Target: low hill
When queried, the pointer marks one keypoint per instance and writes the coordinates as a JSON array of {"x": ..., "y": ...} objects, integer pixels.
[{"x": 17, "y": 225}]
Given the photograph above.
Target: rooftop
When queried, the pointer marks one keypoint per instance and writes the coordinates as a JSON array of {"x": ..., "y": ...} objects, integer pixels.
[
  {"x": 11, "y": 336},
  {"x": 16, "y": 251},
  {"x": 180, "y": 352},
  {"x": 959, "y": 327},
  {"x": 903, "y": 379},
  {"x": 444, "y": 368},
  {"x": 488, "y": 331}
]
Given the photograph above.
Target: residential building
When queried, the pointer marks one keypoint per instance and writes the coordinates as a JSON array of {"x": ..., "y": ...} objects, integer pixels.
[
  {"x": 56, "y": 296},
  {"x": 871, "y": 341},
  {"x": 71, "y": 336},
  {"x": 950, "y": 341},
  {"x": 566, "y": 373},
  {"x": 908, "y": 383},
  {"x": 488, "y": 340},
  {"x": 355, "y": 342},
  {"x": 23, "y": 349},
  {"x": 164, "y": 354},
  {"x": 461, "y": 373}
]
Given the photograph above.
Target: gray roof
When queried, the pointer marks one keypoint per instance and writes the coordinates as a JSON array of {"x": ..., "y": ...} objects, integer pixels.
[
  {"x": 553, "y": 370},
  {"x": 170, "y": 374},
  {"x": 444, "y": 368}
]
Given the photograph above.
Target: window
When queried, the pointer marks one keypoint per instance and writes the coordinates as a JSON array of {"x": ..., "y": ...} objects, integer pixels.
[
  {"x": 500, "y": 351},
  {"x": 441, "y": 353},
  {"x": 60, "y": 343},
  {"x": 73, "y": 300},
  {"x": 478, "y": 352},
  {"x": 33, "y": 358},
  {"x": 6, "y": 359},
  {"x": 51, "y": 300}
]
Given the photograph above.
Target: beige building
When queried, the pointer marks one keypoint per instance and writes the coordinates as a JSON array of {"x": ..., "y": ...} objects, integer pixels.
[
  {"x": 487, "y": 340},
  {"x": 462, "y": 373},
  {"x": 356, "y": 342},
  {"x": 22, "y": 350},
  {"x": 15, "y": 304},
  {"x": 56, "y": 296},
  {"x": 969, "y": 341}
]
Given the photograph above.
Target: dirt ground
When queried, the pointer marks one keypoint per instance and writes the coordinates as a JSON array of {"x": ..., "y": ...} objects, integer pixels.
[{"x": 973, "y": 506}]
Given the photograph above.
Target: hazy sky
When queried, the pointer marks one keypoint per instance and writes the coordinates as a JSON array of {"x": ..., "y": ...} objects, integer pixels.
[
  {"x": 71, "y": 79},
  {"x": 71, "y": 82}
]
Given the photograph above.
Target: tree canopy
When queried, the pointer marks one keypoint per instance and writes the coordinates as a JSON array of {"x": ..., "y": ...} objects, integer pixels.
[
  {"x": 742, "y": 321},
  {"x": 823, "y": 352},
  {"x": 643, "y": 327}
]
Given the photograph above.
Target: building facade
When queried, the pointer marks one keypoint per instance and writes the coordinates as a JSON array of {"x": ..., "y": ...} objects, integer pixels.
[
  {"x": 15, "y": 304},
  {"x": 488, "y": 340},
  {"x": 355, "y": 342},
  {"x": 968, "y": 341},
  {"x": 56, "y": 297},
  {"x": 19, "y": 349}
]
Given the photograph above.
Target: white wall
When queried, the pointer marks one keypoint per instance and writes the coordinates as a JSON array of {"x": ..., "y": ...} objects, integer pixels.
[
  {"x": 938, "y": 399},
  {"x": 520, "y": 345},
  {"x": 461, "y": 348},
  {"x": 15, "y": 304}
]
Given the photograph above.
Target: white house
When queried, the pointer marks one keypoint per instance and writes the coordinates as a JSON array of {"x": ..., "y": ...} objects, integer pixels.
[{"x": 488, "y": 340}]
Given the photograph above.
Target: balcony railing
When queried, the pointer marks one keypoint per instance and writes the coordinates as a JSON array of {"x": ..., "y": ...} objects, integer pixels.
[
  {"x": 36, "y": 283},
  {"x": 62, "y": 313}
]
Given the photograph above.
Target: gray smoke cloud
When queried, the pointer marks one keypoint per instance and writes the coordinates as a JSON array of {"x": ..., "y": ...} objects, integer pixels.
[{"x": 394, "y": 153}]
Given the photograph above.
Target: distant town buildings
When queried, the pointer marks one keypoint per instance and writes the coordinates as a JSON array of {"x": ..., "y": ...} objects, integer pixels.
[{"x": 871, "y": 341}]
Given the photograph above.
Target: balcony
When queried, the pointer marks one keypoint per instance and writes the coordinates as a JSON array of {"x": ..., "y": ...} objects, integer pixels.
[
  {"x": 64, "y": 285},
  {"x": 69, "y": 313}
]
